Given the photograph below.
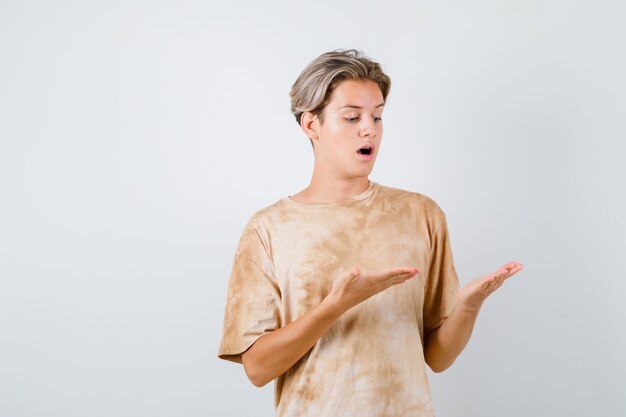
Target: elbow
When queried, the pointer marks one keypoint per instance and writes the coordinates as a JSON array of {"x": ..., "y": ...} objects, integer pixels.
[
  {"x": 257, "y": 380},
  {"x": 254, "y": 373},
  {"x": 436, "y": 357},
  {"x": 436, "y": 361},
  {"x": 438, "y": 367}
]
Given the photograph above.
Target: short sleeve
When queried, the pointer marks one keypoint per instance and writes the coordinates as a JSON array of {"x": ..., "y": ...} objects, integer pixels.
[
  {"x": 253, "y": 297},
  {"x": 442, "y": 284}
]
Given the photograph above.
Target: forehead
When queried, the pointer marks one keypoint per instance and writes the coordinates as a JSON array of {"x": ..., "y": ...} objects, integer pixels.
[{"x": 361, "y": 93}]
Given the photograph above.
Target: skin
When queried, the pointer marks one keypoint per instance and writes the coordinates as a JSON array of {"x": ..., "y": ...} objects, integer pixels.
[
  {"x": 338, "y": 171},
  {"x": 353, "y": 118}
]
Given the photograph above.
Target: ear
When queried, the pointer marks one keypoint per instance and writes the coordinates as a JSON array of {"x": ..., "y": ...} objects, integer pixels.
[{"x": 310, "y": 123}]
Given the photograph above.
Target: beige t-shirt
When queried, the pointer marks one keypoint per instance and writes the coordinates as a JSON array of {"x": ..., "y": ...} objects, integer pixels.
[{"x": 371, "y": 361}]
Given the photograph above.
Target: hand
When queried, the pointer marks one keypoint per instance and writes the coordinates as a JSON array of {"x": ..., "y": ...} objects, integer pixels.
[
  {"x": 473, "y": 294},
  {"x": 356, "y": 286}
]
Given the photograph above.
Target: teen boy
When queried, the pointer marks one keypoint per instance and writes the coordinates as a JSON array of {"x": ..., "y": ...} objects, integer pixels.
[{"x": 345, "y": 291}]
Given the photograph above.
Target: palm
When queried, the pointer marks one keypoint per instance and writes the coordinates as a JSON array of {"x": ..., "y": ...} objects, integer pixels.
[{"x": 476, "y": 291}]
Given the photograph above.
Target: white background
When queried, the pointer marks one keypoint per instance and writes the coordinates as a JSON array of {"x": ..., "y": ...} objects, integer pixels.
[{"x": 137, "y": 138}]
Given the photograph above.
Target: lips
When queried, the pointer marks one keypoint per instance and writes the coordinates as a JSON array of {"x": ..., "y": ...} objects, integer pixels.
[{"x": 365, "y": 153}]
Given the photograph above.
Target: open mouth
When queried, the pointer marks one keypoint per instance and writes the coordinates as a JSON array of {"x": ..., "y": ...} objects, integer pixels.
[{"x": 366, "y": 150}]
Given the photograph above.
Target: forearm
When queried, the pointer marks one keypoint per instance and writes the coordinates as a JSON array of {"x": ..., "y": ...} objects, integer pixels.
[
  {"x": 274, "y": 353},
  {"x": 444, "y": 344}
]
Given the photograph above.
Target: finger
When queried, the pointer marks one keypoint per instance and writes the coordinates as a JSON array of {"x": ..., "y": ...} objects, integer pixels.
[
  {"x": 512, "y": 267},
  {"x": 501, "y": 275},
  {"x": 391, "y": 280},
  {"x": 403, "y": 277},
  {"x": 508, "y": 270},
  {"x": 398, "y": 279},
  {"x": 488, "y": 286},
  {"x": 389, "y": 274},
  {"x": 494, "y": 281},
  {"x": 484, "y": 286},
  {"x": 401, "y": 270},
  {"x": 501, "y": 271},
  {"x": 497, "y": 283},
  {"x": 518, "y": 267}
]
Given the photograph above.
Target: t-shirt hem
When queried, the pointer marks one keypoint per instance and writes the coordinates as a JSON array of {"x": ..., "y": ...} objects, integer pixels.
[{"x": 234, "y": 354}]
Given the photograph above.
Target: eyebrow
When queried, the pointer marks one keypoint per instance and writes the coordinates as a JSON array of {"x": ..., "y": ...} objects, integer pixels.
[{"x": 359, "y": 107}]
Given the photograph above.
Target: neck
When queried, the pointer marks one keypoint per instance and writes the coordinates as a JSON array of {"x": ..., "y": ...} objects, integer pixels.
[{"x": 328, "y": 188}]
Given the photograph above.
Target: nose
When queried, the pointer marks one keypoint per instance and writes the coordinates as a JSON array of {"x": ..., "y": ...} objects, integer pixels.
[{"x": 368, "y": 128}]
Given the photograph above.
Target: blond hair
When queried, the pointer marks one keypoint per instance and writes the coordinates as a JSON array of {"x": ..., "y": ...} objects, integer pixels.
[{"x": 313, "y": 88}]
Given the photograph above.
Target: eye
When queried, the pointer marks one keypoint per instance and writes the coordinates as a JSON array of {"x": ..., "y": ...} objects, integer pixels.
[
  {"x": 378, "y": 119},
  {"x": 352, "y": 119}
]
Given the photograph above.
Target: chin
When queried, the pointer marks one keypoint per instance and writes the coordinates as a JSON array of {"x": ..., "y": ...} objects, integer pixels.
[{"x": 362, "y": 172}]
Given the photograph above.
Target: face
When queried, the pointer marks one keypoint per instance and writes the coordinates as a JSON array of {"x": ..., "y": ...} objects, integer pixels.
[{"x": 352, "y": 124}]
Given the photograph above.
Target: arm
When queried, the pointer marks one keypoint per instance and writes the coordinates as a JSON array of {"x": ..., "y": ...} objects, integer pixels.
[
  {"x": 274, "y": 353},
  {"x": 444, "y": 344}
]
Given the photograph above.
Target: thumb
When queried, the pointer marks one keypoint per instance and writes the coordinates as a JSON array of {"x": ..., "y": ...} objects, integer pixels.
[{"x": 355, "y": 271}]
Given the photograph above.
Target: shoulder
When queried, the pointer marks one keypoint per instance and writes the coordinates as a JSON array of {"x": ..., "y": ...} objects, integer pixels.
[
  {"x": 264, "y": 219},
  {"x": 414, "y": 200}
]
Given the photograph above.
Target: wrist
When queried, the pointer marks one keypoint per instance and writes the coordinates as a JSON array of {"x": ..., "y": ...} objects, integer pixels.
[
  {"x": 468, "y": 308},
  {"x": 329, "y": 308}
]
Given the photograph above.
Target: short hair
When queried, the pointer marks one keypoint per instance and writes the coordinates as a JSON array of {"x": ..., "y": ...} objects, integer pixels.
[{"x": 313, "y": 88}]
